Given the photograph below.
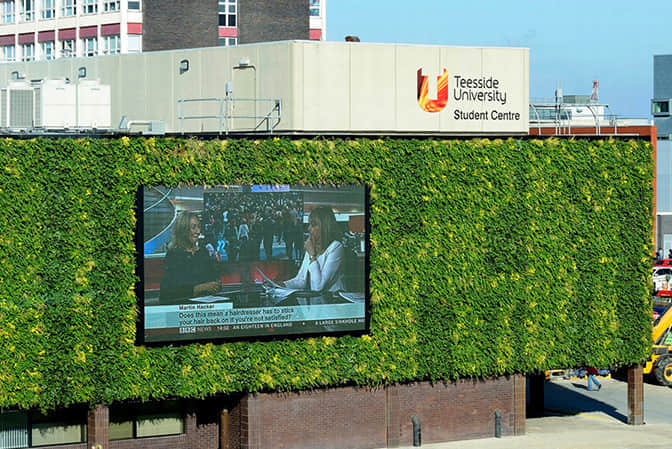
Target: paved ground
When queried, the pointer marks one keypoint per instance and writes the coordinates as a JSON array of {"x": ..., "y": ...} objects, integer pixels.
[{"x": 581, "y": 419}]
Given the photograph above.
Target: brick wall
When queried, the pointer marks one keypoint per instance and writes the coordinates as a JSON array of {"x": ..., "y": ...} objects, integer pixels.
[
  {"x": 178, "y": 24},
  {"x": 370, "y": 418},
  {"x": 279, "y": 20},
  {"x": 339, "y": 418},
  {"x": 172, "y": 442},
  {"x": 455, "y": 411},
  {"x": 336, "y": 418}
]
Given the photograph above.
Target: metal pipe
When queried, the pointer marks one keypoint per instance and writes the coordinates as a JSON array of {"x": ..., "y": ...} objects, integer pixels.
[
  {"x": 417, "y": 436},
  {"x": 498, "y": 424}
]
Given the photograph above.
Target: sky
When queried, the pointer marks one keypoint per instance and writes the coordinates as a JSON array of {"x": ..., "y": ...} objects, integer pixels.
[{"x": 571, "y": 42}]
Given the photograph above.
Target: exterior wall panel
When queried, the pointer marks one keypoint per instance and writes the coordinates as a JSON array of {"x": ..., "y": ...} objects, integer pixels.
[{"x": 323, "y": 86}]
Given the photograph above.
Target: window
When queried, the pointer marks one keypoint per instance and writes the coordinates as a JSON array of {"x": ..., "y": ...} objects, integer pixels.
[
  {"x": 89, "y": 6},
  {"x": 48, "y": 9},
  {"x": 90, "y": 46},
  {"x": 68, "y": 48},
  {"x": 111, "y": 44},
  {"x": 32, "y": 429},
  {"x": 134, "y": 43},
  {"x": 28, "y": 52},
  {"x": 660, "y": 107},
  {"x": 228, "y": 41},
  {"x": 13, "y": 428},
  {"x": 69, "y": 8},
  {"x": 134, "y": 5},
  {"x": 227, "y": 13},
  {"x": 7, "y": 53},
  {"x": 146, "y": 421},
  {"x": 160, "y": 424},
  {"x": 27, "y": 10},
  {"x": 314, "y": 8},
  {"x": 49, "y": 431},
  {"x": 112, "y": 5},
  {"x": 48, "y": 50},
  {"x": 7, "y": 12}
]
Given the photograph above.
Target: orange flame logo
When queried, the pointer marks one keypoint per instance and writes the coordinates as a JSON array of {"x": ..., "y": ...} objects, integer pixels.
[{"x": 441, "y": 96}]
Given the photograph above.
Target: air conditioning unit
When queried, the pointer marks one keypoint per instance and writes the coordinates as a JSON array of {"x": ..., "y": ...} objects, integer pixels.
[
  {"x": 56, "y": 103},
  {"x": 17, "y": 106},
  {"x": 94, "y": 105}
]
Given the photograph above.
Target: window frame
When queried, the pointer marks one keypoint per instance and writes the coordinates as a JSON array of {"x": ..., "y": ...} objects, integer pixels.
[
  {"x": 228, "y": 10},
  {"x": 35, "y": 423},
  {"x": 135, "y": 414},
  {"x": 8, "y": 11},
  {"x": 89, "y": 7},
  {"x": 27, "y": 12},
  {"x": 48, "y": 49},
  {"x": 68, "y": 8},
  {"x": 314, "y": 5},
  {"x": 106, "y": 44},
  {"x": 111, "y": 5},
  {"x": 660, "y": 108},
  {"x": 67, "y": 51},
  {"x": 31, "y": 46},
  {"x": 88, "y": 52},
  {"x": 4, "y": 53},
  {"x": 227, "y": 41},
  {"x": 47, "y": 9}
]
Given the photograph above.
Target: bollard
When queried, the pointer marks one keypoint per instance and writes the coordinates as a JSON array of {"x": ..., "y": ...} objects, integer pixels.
[
  {"x": 417, "y": 437},
  {"x": 498, "y": 424}
]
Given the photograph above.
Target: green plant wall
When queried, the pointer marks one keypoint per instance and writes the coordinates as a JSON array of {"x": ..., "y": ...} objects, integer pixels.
[{"x": 487, "y": 257}]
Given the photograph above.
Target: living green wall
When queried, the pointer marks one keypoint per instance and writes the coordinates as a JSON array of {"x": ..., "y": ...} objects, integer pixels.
[{"x": 487, "y": 257}]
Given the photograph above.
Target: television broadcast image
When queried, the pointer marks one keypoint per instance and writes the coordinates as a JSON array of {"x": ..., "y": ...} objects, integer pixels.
[{"x": 228, "y": 262}]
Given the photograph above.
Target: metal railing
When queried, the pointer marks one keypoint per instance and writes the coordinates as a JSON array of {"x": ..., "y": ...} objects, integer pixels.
[
  {"x": 233, "y": 114},
  {"x": 559, "y": 116}
]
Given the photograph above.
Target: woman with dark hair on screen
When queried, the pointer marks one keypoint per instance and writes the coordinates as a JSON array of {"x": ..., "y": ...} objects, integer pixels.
[
  {"x": 188, "y": 271},
  {"x": 321, "y": 267}
]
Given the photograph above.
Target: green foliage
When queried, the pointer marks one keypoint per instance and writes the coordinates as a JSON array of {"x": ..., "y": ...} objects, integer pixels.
[{"x": 488, "y": 257}]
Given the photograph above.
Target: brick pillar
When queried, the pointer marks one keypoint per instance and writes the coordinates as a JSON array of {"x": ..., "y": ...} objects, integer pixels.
[
  {"x": 519, "y": 396},
  {"x": 635, "y": 395},
  {"x": 536, "y": 408},
  {"x": 190, "y": 430},
  {"x": 245, "y": 423},
  {"x": 392, "y": 416},
  {"x": 98, "y": 427}
]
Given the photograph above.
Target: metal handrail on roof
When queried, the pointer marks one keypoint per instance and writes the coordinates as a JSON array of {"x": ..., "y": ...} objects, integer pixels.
[
  {"x": 564, "y": 123},
  {"x": 225, "y": 114}
]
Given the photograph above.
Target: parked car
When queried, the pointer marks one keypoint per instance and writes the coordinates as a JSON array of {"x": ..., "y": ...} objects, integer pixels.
[{"x": 661, "y": 276}]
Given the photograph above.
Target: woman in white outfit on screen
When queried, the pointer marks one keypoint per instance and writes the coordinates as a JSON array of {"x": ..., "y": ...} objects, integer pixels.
[{"x": 321, "y": 267}]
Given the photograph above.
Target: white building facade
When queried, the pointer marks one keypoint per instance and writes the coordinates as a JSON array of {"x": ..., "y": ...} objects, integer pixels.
[
  {"x": 42, "y": 30},
  {"x": 39, "y": 30}
]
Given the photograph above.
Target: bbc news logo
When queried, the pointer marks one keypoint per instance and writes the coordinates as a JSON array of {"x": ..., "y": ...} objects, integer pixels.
[{"x": 433, "y": 105}]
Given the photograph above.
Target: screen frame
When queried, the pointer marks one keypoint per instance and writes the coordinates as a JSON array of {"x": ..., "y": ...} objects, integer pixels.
[{"x": 140, "y": 285}]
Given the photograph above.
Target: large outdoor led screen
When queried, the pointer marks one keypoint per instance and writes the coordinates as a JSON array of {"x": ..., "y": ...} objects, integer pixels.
[{"x": 252, "y": 261}]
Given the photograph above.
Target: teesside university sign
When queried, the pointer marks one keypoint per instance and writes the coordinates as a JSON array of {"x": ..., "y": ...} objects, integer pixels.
[{"x": 464, "y": 92}]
